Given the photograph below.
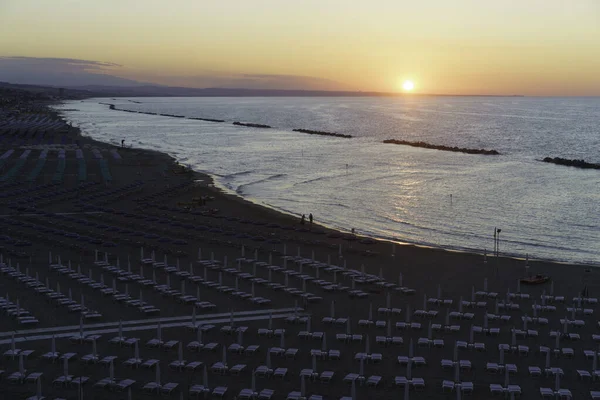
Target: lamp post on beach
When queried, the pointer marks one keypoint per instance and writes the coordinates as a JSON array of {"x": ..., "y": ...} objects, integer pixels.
[{"x": 498, "y": 242}]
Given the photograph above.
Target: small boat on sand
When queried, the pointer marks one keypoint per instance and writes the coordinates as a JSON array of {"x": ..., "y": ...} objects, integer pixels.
[{"x": 535, "y": 280}]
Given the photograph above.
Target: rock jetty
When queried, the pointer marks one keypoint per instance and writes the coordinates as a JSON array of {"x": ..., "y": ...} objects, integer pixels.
[
  {"x": 323, "y": 133},
  {"x": 112, "y": 107},
  {"x": 251, "y": 125},
  {"x": 571, "y": 163},
  {"x": 443, "y": 148},
  {"x": 207, "y": 119}
]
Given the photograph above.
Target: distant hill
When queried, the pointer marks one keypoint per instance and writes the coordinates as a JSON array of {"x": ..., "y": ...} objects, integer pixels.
[
  {"x": 49, "y": 91},
  {"x": 171, "y": 91},
  {"x": 79, "y": 92}
]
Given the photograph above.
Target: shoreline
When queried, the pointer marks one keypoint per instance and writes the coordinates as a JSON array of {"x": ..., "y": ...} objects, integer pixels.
[{"x": 224, "y": 190}]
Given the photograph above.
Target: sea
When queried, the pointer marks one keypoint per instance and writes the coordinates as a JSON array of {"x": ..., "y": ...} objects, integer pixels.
[{"x": 410, "y": 195}]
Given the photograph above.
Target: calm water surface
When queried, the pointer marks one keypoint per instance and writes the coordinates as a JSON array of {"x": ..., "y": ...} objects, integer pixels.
[{"x": 429, "y": 197}]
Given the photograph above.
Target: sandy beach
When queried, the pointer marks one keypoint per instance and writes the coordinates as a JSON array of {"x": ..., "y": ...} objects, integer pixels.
[{"x": 65, "y": 230}]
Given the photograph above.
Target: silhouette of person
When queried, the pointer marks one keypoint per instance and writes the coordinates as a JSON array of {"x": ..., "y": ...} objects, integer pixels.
[
  {"x": 302, "y": 219},
  {"x": 122, "y": 142},
  {"x": 310, "y": 218}
]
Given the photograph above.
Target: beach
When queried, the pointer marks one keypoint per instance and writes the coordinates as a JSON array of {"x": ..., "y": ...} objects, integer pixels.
[{"x": 128, "y": 199}]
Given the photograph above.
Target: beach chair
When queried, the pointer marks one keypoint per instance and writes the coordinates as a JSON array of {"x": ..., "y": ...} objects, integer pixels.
[
  {"x": 584, "y": 375},
  {"x": 33, "y": 377},
  {"x": 198, "y": 390},
  {"x": 291, "y": 353},
  {"x": 447, "y": 386},
  {"x": 237, "y": 369},
  {"x": 62, "y": 380},
  {"x": 496, "y": 389},
  {"x": 168, "y": 388},
  {"x": 246, "y": 394},
  {"x": 105, "y": 383},
  {"x": 124, "y": 384},
  {"x": 294, "y": 396},
  {"x": 193, "y": 366},
  {"x": 326, "y": 376},
  {"x": 266, "y": 394},
  {"x": 535, "y": 371},
  {"x": 252, "y": 349},
  {"x": 79, "y": 381},
  {"x": 219, "y": 391},
  {"x": 210, "y": 347},
  {"x": 68, "y": 356},
  {"x": 466, "y": 387},
  {"x": 464, "y": 365},
  {"x": 170, "y": 345},
  {"x": 514, "y": 390},
  {"x": 263, "y": 371},
  {"x": 220, "y": 368},
  {"x": 418, "y": 384},
  {"x": 151, "y": 387},
  {"x": 280, "y": 373},
  {"x": 107, "y": 360},
  {"x": 151, "y": 363},
  {"x": 373, "y": 381}
]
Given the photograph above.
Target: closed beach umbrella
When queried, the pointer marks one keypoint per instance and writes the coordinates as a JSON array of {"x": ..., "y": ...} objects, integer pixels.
[
  {"x": 270, "y": 327},
  {"x": 158, "y": 374}
]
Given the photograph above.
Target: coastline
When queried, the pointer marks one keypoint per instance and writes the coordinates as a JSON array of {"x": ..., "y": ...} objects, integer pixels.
[
  {"x": 221, "y": 190},
  {"x": 225, "y": 191}
]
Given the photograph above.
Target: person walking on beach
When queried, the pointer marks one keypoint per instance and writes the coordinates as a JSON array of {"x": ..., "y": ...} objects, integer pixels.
[
  {"x": 302, "y": 219},
  {"x": 310, "y": 218},
  {"x": 122, "y": 143}
]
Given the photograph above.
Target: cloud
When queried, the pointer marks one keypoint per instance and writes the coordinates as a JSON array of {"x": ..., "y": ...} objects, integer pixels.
[
  {"x": 58, "y": 62},
  {"x": 70, "y": 72},
  {"x": 215, "y": 79}
]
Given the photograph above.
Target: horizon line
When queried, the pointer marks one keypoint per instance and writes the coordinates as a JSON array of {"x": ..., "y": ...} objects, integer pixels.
[{"x": 274, "y": 92}]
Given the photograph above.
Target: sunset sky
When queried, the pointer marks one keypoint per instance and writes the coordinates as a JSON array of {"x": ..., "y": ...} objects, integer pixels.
[{"x": 530, "y": 47}]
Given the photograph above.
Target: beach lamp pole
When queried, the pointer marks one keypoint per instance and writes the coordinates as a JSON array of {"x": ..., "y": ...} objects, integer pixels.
[{"x": 497, "y": 236}]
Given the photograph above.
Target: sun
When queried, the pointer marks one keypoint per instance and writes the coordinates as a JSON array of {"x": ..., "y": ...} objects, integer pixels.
[{"x": 408, "y": 86}]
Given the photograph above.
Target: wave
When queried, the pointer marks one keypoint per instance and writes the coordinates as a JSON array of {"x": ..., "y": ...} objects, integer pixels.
[
  {"x": 240, "y": 188},
  {"x": 236, "y": 174},
  {"x": 317, "y": 179}
]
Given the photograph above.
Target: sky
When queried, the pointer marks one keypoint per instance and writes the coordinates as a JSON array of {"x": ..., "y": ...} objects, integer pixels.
[{"x": 526, "y": 47}]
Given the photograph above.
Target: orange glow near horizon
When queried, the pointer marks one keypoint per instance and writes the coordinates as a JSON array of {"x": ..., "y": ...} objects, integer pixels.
[{"x": 534, "y": 47}]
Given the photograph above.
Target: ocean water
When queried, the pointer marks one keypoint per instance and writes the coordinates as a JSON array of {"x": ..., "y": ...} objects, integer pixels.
[{"x": 413, "y": 195}]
